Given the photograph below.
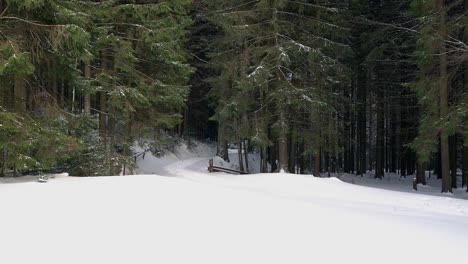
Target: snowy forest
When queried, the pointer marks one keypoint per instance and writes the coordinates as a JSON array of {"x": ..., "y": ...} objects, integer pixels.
[
  {"x": 314, "y": 87},
  {"x": 233, "y": 131}
]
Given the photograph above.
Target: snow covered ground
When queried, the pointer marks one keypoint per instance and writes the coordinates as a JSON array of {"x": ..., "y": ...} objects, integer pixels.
[
  {"x": 393, "y": 181},
  {"x": 197, "y": 217}
]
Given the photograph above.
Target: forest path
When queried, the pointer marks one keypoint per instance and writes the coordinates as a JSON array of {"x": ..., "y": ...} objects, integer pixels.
[
  {"x": 195, "y": 170},
  {"x": 191, "y": 166}
]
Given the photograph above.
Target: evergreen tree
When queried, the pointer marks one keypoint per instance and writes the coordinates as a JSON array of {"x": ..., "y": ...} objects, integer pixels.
[
  {"x": 286, "y": 55},
  {"x": 438, "y": 58},
  {"x": 121, "y": 62}
]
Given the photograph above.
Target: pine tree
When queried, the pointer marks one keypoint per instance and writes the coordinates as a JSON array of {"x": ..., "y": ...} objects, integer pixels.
[
  {"x": 288, "y": 56},
  {"x": 71, "y": 61},
  {"x": 438, "y": 57}
]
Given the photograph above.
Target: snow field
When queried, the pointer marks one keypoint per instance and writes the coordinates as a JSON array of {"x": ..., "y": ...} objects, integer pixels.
[{"x": 197, "y": 217}]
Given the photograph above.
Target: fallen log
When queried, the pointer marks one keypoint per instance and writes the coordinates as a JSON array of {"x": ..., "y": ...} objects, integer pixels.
[{"x": 212, "y": 168}]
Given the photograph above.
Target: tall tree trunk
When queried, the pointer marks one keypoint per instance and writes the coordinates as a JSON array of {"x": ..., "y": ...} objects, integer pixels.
[
  {"x": 398, "y": 133},
  {"x": 420, "y": 173},
  {"x": 379, "y": 166},
  {"x": 370, "y": 118},
  {"x": 262, "y": 160},
  {"x": 361, "y": 121},
  {"x": 112, "y": 143},
  {"x": 317, "y": 163},
  {"x": 301, "y": 158},
  {"x": 438, "y": 163},
  {"x": 387, "y": 131},
  {"x": 273, "y": 156},
  {"x": 283, "y": 153},
  {"x": 87, "y": 97},
  {"x": 352, "y": 139},
  {"x": 443, "y": 95},
  {"x": 60, "y": 93},
  {"x": 453, "y": 159},
  {"x": 222, "y": 146},
  {"x": 105, "y": 122},
  {"x": 347, "y": 140},
  {"x": 403, "y": 163},
  {"x": 3, "y": 94},
  {"x": 465, "y": 145},
  {"x": 465, "y": 167},
  {"x": 239, "y": 155},
  {"x": 283, "y": 145},
  {"x": 102, "y": 115},
  {"x": 246, "y": 156},
  {"x": 186, "y": 119},
  {"x": 292, "y": 150},
  {"x": 54, "y": 90},
  {"x": 393, "y": 136},
  {"x": 127, "y": 131},
  {"x": 20, "y": 95}
]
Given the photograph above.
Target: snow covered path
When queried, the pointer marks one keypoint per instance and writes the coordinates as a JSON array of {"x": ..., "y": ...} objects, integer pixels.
[{"x": 196, "y": 217}]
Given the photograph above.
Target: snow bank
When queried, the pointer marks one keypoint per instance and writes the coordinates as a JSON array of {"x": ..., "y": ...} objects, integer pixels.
[
  {"x": 219, "y": 218},
  {"x": 200, "y": 217}
]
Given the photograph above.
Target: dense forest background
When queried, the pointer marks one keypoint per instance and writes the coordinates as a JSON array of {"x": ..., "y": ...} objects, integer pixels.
[{"x": 322, "y": 86}]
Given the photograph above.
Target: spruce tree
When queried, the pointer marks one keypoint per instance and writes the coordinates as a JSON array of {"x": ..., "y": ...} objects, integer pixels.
[
  {"x": 438, "y": 58},
  {"x": 286, "y": 55}
]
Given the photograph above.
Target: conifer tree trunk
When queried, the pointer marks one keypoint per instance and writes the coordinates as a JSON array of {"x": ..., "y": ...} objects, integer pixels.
[
  {"x": 283, "y": 144},
  {"x": 54, "y": 82},
  {"x": 273, "y": 151},
  {"x": 465, "y": 145},
  {"x": 453, "y": 159},
  {"x": 105, "y": 122},
  {"x": 87, "y": 98},
  {"x": 438, "y": 163},
  {"x": 393, "y": 136},
  {"x": 239, "y": 155},
  {"x": 301, "y": 162},
  {"x": 126, "y": 144},
  {"x": 102, "y": 115},
  {"x": 379, "y": 164},
  {"x": 111, "y": 134},
  {"x": 3, "y": 164},
  {"x": 420, "y": 173},
  {"x": 398, "y": 134},
  {"x": 186, "y": 119},
  {"x": 317, "y": 161},
  {"x": 60, "y": 93},
  {"x": 104, "y": 118},
  {"x": 352, "y": 138},
  {"x": 465, "y": 167},
  {"x": 346, "y": 141},
  {"x": 246, "y": 156},
  {"x": 292, "y": 150},
  {"x": 222, "y": 146},
  {"x": 386, "y": 133},
  {"x": 3, "y": 93},
  {"x": 361, "y": 122},
  {"x": 443, "y": 103},
  {"x": 262, "y": 160},
  {"x": 370, "y": 118},
  {"x": 283, "y": 153},
  {"x": 20, "y": 95}
]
